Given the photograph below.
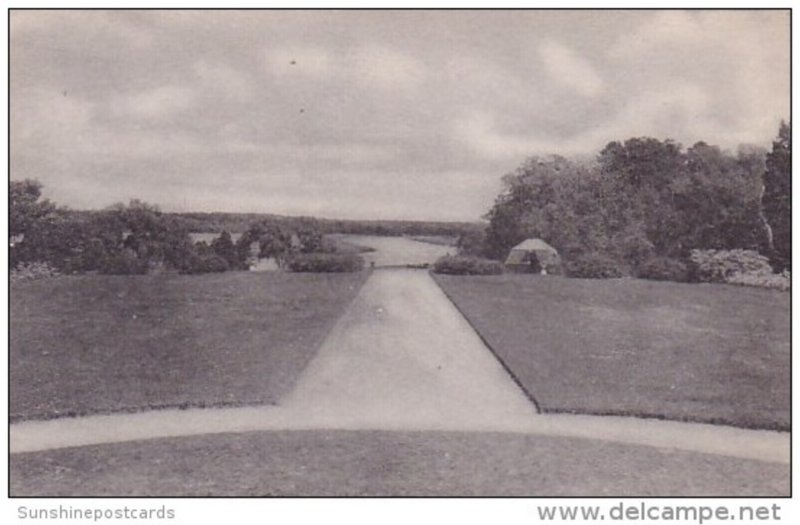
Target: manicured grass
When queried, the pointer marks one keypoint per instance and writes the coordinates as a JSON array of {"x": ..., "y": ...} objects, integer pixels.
[
  {"x": 698, "y": 352},
  {"x": 372, "y": 463},
  {"x": 89, "y": 344}
]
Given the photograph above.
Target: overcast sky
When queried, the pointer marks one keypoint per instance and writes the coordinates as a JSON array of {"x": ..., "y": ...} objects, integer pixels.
[{"x": 373, "y": 114}]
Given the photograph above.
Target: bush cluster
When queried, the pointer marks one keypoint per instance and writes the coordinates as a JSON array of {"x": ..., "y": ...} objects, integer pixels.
[
  {"x": 775, "y": 281},
  {"x": 206, "y": 263},
  {"x": 123, "y": 263},
  {"x": 718, "y": 266},
  {"x": 466, "y": 265},
  {"x": 743, "y": 267},
  {"x": 593, "y": 265},
  {"x": 663, "y": 269},
  {"x": 32, "y": 271},
  {"x": 324, "y": 262}
]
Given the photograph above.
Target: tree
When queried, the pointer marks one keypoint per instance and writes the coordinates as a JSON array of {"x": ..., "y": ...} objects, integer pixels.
[
  {"x": 25, "y": 208},
  {"x": 641, "y": 172},
  {"x": 310, "y": 239},
  {"x": 224, "y": 248},
  {"x": 551, "y": 198},
  {"x": 776, "y": 198}
]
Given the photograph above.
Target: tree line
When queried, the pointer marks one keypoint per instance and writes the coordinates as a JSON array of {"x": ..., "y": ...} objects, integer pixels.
[
  {"x": 138, "y": 238},
  {"x": 646, "y": 201}
]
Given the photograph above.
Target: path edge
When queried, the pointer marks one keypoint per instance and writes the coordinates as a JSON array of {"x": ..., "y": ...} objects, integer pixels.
[{"x": 487, "y": 344}]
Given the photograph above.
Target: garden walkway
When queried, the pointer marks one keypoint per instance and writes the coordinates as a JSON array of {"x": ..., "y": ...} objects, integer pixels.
[{"x": 402, "y": 358}]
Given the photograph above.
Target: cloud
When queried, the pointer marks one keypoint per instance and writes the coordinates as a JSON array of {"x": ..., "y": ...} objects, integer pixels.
[
  {"x": 385, "y": 68},
  {"x": 663, "y": 28},
  {"x": 223, "y": 80},
  {"x": 742, "y": 57},
  {"x": 370, "y": 67},
  {"x": 678, "y": 112},
  {"x": 41, "y": 116},
  {"x": 154, "y": 104},
  {"x": 381, "y": 114},
  {"x": 304, "y": 61},
  {"x": 106, "y": 30},
  {"x": 569, "y": 69}
]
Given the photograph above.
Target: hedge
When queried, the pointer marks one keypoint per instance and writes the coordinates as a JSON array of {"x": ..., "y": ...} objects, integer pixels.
[
  {"x": 466, "y": 265},
  {"x": 593, "y": 266},
  {"x": 324, "y": 262}
]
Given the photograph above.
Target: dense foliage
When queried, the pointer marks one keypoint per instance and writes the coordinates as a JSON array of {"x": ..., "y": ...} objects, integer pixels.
[
  {"x": 133, "y": 238},
  {"x": 466, "y": 265},
  {"x": 240, "y": 222},
  {"x": 643, "y": 206},
  {"x": 717, "y": 266},
  {"x": 593, "y": 265},
  {"x": 664, "y": 269},
  {"x": 325, "y": 262},
  {"x": 777, "y": 198},
  {"x": 138, "y": 238}
]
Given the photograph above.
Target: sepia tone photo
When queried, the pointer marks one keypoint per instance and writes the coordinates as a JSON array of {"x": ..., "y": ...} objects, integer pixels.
[{"x": 400, "y": 253}]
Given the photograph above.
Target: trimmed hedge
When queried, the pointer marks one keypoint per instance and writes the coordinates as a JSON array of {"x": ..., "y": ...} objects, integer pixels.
[
  {"x": 594, "y": 266},
  {"x": 325, "y": 262},
  {"x": 466, "y": 265}
]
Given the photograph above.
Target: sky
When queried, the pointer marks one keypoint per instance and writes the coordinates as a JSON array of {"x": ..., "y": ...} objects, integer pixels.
[{"x": 370, "y": 114}]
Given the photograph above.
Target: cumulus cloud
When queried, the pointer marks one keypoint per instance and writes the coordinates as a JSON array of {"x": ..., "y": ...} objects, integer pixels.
[
  {"x": 385, "y": 68},
  {"x": 567, "y": 68},
  {"x": 102, "y": 28},
  {"x": 42, "y": 116},
  {"x": 740, "y": 57},
  {"x": 662, "y": 114},
  {"x": 307, "y": 61},
  {"x": 154, "y": 104},
  {"x": 663, "y": 28},
  {"x": 412, "y": 114},
  {"x": 223, "y": 80},
  {"x": 373, "y": 67}
]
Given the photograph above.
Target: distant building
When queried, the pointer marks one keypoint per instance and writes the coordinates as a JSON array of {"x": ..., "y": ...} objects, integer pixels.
[{"x": 533, "y": 256}]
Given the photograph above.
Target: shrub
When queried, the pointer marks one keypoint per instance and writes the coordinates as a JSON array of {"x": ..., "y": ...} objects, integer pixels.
[
  {"x": 32, "y": 271},
  {"x": 776, "y": 281},
  {"x": 466, "y": 265},
  {"x": 324, "y": 262},
  {"x": 663, "y": 269},
  {"x": 206, "y": 263},
  {"x": 124, "y": 263},
  {"x": 718, "y": 266},
  {"x": 594, "y": 265}
]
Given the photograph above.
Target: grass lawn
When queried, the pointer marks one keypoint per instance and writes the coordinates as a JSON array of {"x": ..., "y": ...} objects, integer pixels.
[
  {"x": 87, "y": 344},
  {"x": 372, "y": 463},
  {"x": 697, "y": 352}
]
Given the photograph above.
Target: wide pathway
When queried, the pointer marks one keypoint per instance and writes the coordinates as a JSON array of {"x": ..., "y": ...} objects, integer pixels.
[{"x": 402, "y": 358}]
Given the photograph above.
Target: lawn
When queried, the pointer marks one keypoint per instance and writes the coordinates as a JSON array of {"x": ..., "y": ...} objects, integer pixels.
[
  {"x": 372, "y": 463},
  {"x": 695, "y": 352},
  {"x": 87, "y": 344}
]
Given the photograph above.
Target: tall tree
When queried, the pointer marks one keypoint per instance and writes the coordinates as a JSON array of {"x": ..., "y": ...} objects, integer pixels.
[
  {"x": 223, "y": 247},
  {"x": 777, "y": 196},
  {"x": 25, "y": 206}
]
